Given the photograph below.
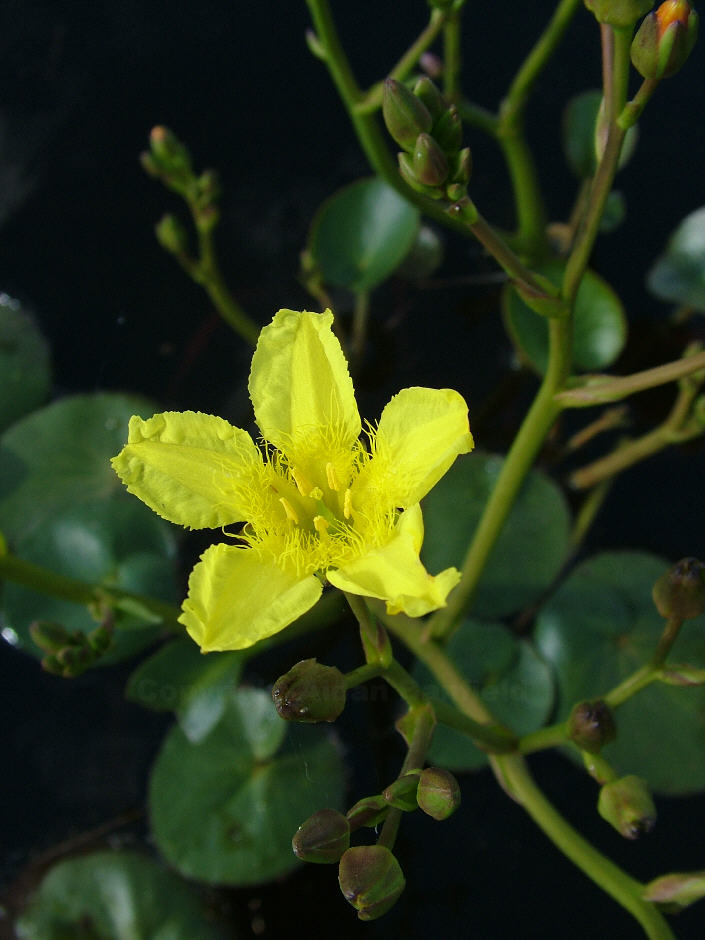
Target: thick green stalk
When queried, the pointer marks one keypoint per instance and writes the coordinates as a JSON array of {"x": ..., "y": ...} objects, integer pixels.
[
  {"x": 517, "y": 464},
  {"x": 608, "y": 876},
  {"x": 66, "y": 588}
]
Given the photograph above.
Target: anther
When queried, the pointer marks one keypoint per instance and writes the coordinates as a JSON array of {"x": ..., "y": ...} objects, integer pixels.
[
  {"x": 347, "y": 504},
  {"x": 332, "y": 477},
  {"x": 289, "y": 510}
]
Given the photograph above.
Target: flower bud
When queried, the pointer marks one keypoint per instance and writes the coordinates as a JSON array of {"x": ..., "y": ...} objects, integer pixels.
[
  {"x": 438, "y": 794},
  {"x": 626, "y": 804},
  {"x": 408, "y": 174},
  {"x": 371, "y": 880},
  {"x": 426, "y": 91},
  {"x": 99, "y": 640},
  {"x": 681, "y": 591},
  {"x": 168, "y": 153},
  {"x": 369, "y": 811},
  {"x": 310, "y": 692},
  {"x": 591, "y": 726},
  {"x": 402, "y": 793},
  {"x": 618, "y": 12},
  {"x": 322, "y": 838},
  {"x": 48, "y": 636},
  {"x": 405, "y": 115},
  {"x": 665, "y": 39},
  {"x": 677, "y": 889},
  {"x": 429, "y": 161},
  {"x": 171, "y": 235},
  {"x": 448, "y": 131},
  {"x": 461, "y": 167}
]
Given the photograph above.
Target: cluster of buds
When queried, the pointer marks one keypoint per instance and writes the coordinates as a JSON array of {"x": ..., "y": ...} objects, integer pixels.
[
  {"x": 169, "y": 160},
  {"x": 429, "y": 131},
  {"x": 665, "y": 39},
  {"x": 369, "y": 875},
  {"x": 69, "y": 653}
]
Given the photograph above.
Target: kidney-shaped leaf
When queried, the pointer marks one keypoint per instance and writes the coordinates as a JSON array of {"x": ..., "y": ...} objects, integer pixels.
[
  {"x": 121, "y": 895},
  {"x": 361, "y": 234},
  {"x": 224, "y": 809},
  {"x": 25, "y": 375},
  {"x": 529, "y": 552},
  {"x": 679, "y": 274},
  {"x": 599, "y": 325},
  {"x": 597, "y": 629}
]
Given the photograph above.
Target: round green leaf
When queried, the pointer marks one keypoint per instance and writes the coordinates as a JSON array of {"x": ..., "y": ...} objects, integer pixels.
[
  {"x": 179, "y": 678},
  {"x": 25, "y": 373},
  {"x": 62, "y": 507},
  {"x": 114, "y": 896},
  {"x": 224, "y": 809},
  {"x": 109, "y": 542},
  {"x": 679, "y": 274},
  {"x": 530, "y": 550},
  {"x": 599, "y": 331},
  {"x": 361, "y": 234},
  {"x": 597, "y": 629},
  {"x": 579, "y": 132},
  {"x": 513, "y": 681}
]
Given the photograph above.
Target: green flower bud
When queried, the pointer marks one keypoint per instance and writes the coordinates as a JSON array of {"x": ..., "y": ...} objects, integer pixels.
[
  {"x": 169, "y": 154},
  {"x": 402, "y": 793},
  {"x": 591, "y": 726},
  {"x": 405, "y": 115},
  {"x": 681, "y": 591},
  {"x": 48, "y": 636},
  {"x": 322, "y": 838},
  {"x": 461, "y": 167},
  {"x": 429, "y": 161},
  {"x": 626, "y": 804},
  {"x": 369, "y": 811},
  {"x": 665, "y": 40},
  {"x": 99, "y": 640},
  {"x": 208, "y": 187},
  {"x": 618, "y": 12},
  {"x": 677, "y": 889},
  {"x": 371, "y": 880},
  {"x": 408, "y": 174},
  {"x": 171, "y": 235},
  {"x": 310, "y": 692},
  {"x": 438, "y": 794},
  {"x": 448, "y": 131},
  {"x": 428, "y": 92}
]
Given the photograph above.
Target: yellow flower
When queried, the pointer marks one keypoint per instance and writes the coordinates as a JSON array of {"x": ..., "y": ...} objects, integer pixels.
[{"x": 316, "y": 502}]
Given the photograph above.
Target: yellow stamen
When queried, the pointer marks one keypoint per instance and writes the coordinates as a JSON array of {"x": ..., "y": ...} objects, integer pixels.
[
  {"x": 302, "y": 484},
  {"x": 332, "y": 477},
  {"x": 289, "y": 510},
  {"x": 321, "y": 526},
  {"x": 347, "y": 504}
]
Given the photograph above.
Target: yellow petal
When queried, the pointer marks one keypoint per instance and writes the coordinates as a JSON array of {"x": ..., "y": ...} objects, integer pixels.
[
  {"x": 192, "y": 469},
  {"x": 299, "y": 382},
  {"x": 235, "y": 598},
  {"x": 420, "y": 433},
  {"x": 395, "y": 574}
]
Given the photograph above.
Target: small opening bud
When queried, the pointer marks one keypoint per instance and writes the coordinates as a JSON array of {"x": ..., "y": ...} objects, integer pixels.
[
  {"x": 626, "y": 804},
  {"x": 371, "y": 880},
  {"x": 438, "y": 794},
  {"x": 322, "y": 838},
  {"x": 681, "y": 591},
  {"x": 310, "y": 692}
]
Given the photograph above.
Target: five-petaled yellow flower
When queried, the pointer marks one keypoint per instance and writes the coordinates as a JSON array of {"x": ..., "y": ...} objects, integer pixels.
[{"x": 316, "y": 502}]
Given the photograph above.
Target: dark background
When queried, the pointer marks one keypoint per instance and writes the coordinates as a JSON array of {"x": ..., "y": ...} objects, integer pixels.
[{"x": 82, "y": 84}]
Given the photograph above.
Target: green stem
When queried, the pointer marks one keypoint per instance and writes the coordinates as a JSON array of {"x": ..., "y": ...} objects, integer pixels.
[
  {"x": 544, "y": 738},
  {"x": 372, "y": 101},
  {"x": 517, "y": 464},
  {"x": 634, "y": 683},
  {"x": 618, "y": 884},
  {"x": 477, "y": 116},
  {"x": 66, "y": 588},
  {"x": 617, "y": 75},
  {"x": 361, "y": 312},
  {"x": 451, "y": 57},
  {"x": 536, "y": 61},
  {"x": 362, "y": 674},
  {"x": 600, "y": 390},
  {"x": 207, "y": 273},
  {"x": 666, "y": 641}
]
